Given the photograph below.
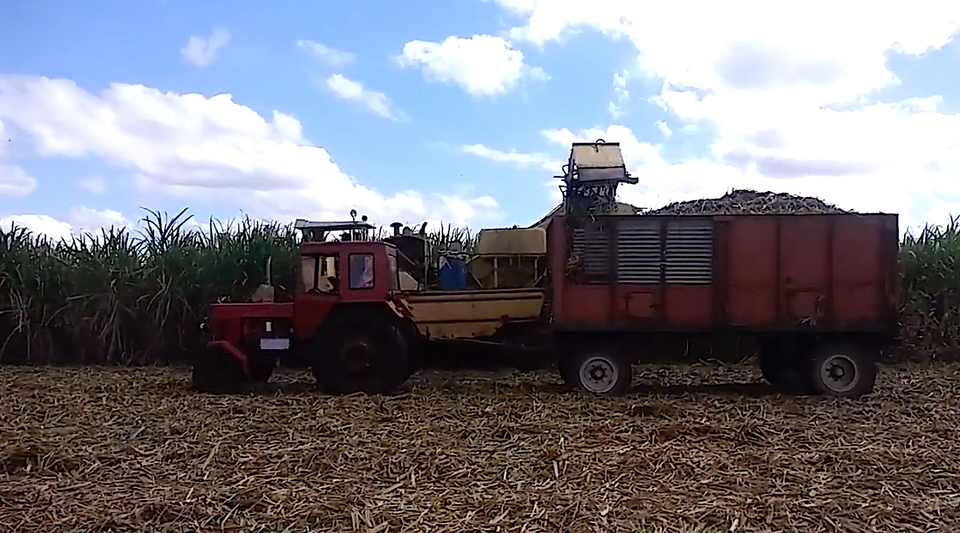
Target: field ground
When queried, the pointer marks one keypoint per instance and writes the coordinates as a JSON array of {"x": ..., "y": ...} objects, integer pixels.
[{"x": 705, "y": 448}]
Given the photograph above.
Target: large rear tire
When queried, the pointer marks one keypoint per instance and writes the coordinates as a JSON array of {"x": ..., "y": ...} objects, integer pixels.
[
  {"x": 361, "y": 353},
  {"x": 416, "y": 347},
  {"x": 216, "y": 371}
]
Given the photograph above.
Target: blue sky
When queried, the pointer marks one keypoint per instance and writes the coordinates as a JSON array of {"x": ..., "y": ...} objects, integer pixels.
[{"x": 461, "y": 111}]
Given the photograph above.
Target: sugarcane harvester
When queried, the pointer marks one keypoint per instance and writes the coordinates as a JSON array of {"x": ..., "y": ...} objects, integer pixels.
[{"x": 594, "y": 289}]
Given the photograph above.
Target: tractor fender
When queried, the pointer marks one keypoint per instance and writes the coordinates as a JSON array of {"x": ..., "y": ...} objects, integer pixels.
[
  {"x": 228, "y": 348},
  {"x": 380, "y": 310}
]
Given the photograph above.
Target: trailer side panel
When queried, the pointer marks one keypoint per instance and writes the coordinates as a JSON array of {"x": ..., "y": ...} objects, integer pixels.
[{"x": 697, "y": 273}]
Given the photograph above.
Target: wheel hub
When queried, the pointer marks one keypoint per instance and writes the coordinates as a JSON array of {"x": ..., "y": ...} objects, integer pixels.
[
  {"x": 358, "y": 355},
  {"x": 839, "y": 373},
  {"x": 598, "y": 374}
]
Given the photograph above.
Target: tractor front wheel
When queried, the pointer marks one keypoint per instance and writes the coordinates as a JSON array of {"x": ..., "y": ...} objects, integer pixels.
[
  {"x": 365, "y": 354},
  {"x": 262, "y": 365},
  {"x": 216, "y": 371}
]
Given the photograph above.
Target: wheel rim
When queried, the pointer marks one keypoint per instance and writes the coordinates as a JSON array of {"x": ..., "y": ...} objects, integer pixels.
[
  {"x": 839, "y": 373},
  {"x": 359, "y": 356},
  {"x": 599, "y": 374}
]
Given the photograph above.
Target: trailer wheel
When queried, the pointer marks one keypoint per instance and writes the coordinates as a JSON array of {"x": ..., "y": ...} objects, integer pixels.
[
  {"x": 783, "y": 363},
  {"x": 565, "y": 366},
  {"x": 362, "y": 354},
  {"x": 843, "y": 371},
  {"x": 782, "y": 373},
  {"x": 600, "y": 372},
  {"x": 216, "y": 371}
]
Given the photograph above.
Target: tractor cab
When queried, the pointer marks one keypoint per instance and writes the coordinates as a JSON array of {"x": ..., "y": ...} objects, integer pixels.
[
  {"x": 405, "y": 255},
  {"x": 352, "y": 267}
]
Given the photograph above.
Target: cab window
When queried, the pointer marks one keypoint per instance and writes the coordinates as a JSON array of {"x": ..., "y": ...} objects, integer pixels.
[
  {"x": 309, "y": 265},
  {"x": 361, "y": 271},
  {"x": 394, "y": 275},
  {"x": 316, "y": 271}
]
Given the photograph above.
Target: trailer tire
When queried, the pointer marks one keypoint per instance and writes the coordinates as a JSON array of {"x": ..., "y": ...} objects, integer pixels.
[
  {"x": 565, "y": 366},
  {"x": 600, "y": 372},
  {"x": 216, "y": 371},
  {"x": 842, "y": 370},
  {"x": 784, "y": 374},
  {"x": 784, "y": 361},
  {"x": 362, "y": 353}
]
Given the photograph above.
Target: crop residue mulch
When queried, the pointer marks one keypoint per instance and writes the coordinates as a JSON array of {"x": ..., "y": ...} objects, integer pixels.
[{"x": 706, "y": 449}]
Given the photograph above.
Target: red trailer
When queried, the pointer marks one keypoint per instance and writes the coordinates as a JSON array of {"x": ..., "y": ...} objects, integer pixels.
[{"x": 818, "y": 291}]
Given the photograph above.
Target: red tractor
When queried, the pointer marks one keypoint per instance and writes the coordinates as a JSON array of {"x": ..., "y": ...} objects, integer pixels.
[{"x": 346, "y": 320}]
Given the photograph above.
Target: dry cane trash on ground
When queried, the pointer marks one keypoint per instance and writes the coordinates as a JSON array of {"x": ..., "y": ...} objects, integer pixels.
[{"x": 708, "y": 448}]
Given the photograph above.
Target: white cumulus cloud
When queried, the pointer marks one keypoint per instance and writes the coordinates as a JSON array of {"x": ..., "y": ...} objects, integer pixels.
[
  {"x": 37, "y": 224},
  {"x": 76, "y": 222},
  {"x": 209, "y": 149},
  {"x": 546, "y": 161},
  {"x": 664, "y": 128},
  {"x": 203, "y": 51},
  {"x": 326, "y": 54},
  {"x": 93, "y": 184},
  {"x": 354, "y": 91},
  {"x": 790, "y": 93},
  {"x": 14, "y": 181},
  {"x": 483, "y": 65}
]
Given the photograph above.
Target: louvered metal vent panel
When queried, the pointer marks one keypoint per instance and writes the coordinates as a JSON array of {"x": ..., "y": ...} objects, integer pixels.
[
  {"x": 638, "y": 252},
  {"x": 593, "y": 246},
  {"x": 689, "y": 252}
]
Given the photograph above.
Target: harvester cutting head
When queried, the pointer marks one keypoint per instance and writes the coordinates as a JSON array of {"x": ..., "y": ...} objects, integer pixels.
[{"x": 591, "y": 176}]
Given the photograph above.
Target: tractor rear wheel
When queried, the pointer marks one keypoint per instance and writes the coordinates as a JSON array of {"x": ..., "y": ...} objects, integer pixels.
[
  {"x": 216, "y": 371},
  {"x": 362, "y": 353}
]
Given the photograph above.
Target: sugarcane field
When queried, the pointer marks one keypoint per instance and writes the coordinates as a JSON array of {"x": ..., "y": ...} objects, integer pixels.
[
  {"x": 103, "y": 430},
  {"x": 501, "y": 266}
]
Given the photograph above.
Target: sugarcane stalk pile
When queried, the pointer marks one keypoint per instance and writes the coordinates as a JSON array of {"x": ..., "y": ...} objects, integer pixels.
[{"x": 745, "y": 201}]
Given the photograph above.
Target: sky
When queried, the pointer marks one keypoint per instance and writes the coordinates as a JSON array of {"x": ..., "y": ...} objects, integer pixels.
[{"x": 462, "y": 112}]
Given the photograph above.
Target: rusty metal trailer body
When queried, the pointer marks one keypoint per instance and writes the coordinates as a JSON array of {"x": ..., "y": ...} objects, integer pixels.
[
  {"x": 806, "y": 286},
  {"x": 762, "y": 273}
]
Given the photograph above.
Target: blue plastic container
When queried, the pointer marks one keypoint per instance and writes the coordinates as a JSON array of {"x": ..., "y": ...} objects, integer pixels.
[{"x": 453, "y": 274}]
